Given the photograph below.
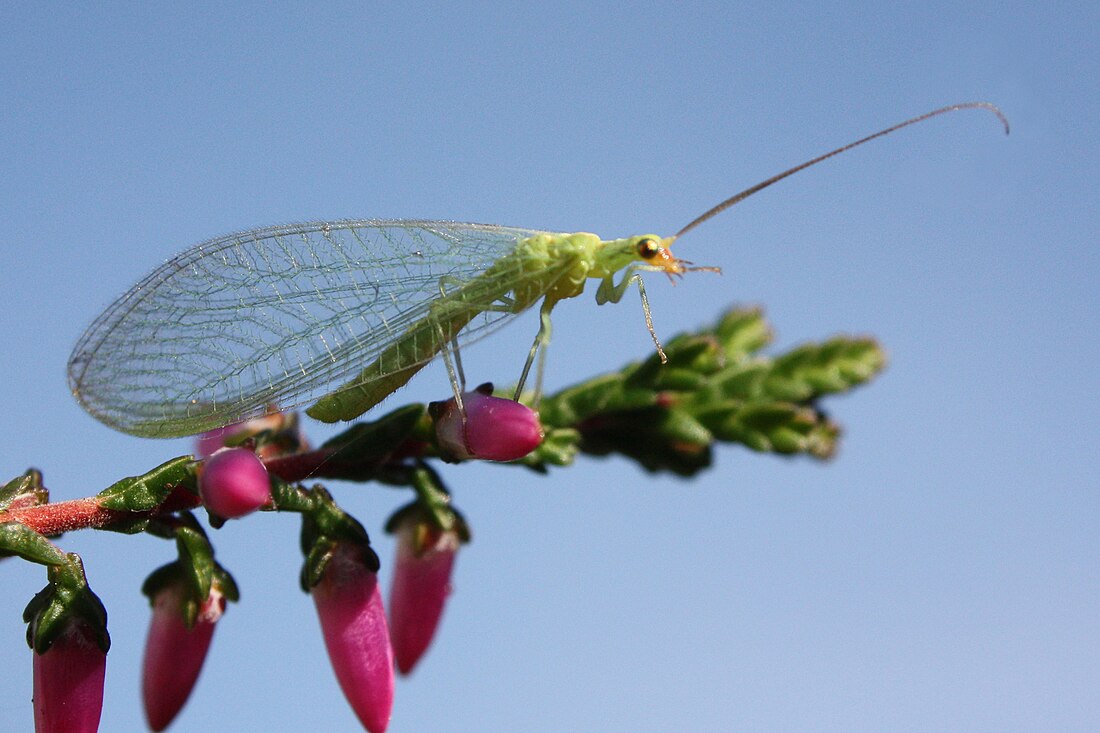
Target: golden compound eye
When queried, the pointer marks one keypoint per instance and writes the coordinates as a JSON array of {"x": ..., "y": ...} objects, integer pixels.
[{"x": 648, "y": 248}]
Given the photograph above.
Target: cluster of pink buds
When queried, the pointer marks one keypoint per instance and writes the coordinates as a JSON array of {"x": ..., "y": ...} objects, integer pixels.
[{"x": 363, "y": 646}]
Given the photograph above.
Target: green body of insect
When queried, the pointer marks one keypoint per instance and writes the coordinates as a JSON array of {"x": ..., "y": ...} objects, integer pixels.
[
  {"x": 552, "y": 266},
  {"x": 340, "y": 314}
]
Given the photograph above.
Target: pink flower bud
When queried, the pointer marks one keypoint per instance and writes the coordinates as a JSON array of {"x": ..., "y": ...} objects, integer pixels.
[
  {"x": 174, "y": 653},
  {"x": 212, "y": 441},
  {"x": 421, "y": 584},
  {"x": 353, "y": 623},
  {"x": 208, "y": 443},
  {"x": 492, "y": 429},
  {"x": 68, "y": 683},
  {"x": 234, "y": 482}
]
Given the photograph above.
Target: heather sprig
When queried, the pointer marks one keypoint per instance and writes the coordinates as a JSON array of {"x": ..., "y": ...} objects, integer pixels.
[{"x": 718, "y": 386}]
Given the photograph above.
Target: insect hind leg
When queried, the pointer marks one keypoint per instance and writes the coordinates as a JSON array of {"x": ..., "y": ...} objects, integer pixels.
[
  {"x": 449, "y": 349},
  {"x": 452, "y": 355},
  {"x": 456, "y": 375}
]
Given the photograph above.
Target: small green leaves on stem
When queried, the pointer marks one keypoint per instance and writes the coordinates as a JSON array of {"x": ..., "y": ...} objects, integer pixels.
[
  {"x": 149, "y": 490},
  {"x": 714, "y": 388},
  {"x": 24, "y": 491},
  {"x": 17, "y": 538},
  {"x": 65, "y": 599},
  {"x": 812, "y": 370},
  {"x": 432, "y": 505},
  {"x": 326, "y": 526},
  {"x": 364, "y": 447},
  {"x": 195, "y": 568}
]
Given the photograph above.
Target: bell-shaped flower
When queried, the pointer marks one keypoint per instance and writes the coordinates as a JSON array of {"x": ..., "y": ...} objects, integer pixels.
[
  {"x": 68, "y": 682},
  {"x": 353, "y": 623},
  {"x": 490, "y": 428},
  {"x": 67, "y": 633},
  {"x": 234, "y": 482},
  {"x": 175, "y": 651},
  {"x": 421, "y": 584}
]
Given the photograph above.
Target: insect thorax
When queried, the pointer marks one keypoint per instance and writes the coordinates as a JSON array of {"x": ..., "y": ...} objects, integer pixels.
[{"x": 554, "y": 265}]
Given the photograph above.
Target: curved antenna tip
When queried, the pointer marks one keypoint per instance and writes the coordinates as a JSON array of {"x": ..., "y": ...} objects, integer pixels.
[
  {"x": 739, "y": 197},
  {"x": 968, "y": 105}
]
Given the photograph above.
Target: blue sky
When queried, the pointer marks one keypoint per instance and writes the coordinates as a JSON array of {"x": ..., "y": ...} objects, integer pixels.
[{"x": 940, "y": 574}]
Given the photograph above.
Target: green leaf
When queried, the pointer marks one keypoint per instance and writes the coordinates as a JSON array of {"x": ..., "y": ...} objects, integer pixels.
[
  {"x": 559, "y": 447},
  {"x": 65, "y": 600},
  {"x": 149, "y": 490},
  {"x": 743, "y": 332},
  {"x": 813, "y": 370},
  {"x": 570, "y": 406},
  {"x": 24, "y": 491},
  {"x": 194, "y": 573},
  {"x": 324, "y": 526},
  {"x": 17, "y": 538},
  {"x": 363, "y": 446},
  {"x": 744, "y": 380}
]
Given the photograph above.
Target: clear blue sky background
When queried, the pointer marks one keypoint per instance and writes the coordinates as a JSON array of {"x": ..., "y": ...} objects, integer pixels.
[{"x": 940, "y": 574}]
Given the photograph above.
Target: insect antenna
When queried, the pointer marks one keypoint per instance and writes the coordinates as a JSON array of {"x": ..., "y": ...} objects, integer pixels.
[{"x": 737, "y": 198}]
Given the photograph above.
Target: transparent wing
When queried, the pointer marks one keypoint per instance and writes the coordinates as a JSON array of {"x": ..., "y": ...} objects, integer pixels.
[{"x": 275, "y": 316}]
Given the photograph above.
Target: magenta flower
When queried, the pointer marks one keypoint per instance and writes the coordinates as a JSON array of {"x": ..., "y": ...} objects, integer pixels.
[
  {"x": 492, "y": 428},
  {"x": 68, "y": 682},
  {"x": 353, "y": 623},
  {"x": 421, "y": 584},
  {"x": 233, "y": 483},
  {"x": 175, "y": 652}
]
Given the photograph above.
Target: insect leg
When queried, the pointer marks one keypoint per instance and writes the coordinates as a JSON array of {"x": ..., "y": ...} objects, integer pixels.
[
  {"x": 541, "y": 369},
  {"x": 609, "y": 292},
  {"x": 458, "y": 363},
  {"x": 542, "y": 340},
  {"x": 448, "y": 348},
  {"x": 456, "y": 385}
]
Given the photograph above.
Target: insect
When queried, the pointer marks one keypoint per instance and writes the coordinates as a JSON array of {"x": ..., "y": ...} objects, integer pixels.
[{"x": 340, "y": 314}]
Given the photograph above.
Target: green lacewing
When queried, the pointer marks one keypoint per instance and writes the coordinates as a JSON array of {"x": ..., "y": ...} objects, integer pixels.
[{"x": 339, "y": 314}]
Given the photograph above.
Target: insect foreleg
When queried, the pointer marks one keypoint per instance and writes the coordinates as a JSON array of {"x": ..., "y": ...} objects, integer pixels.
[{"x": 609, "y": 292}]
